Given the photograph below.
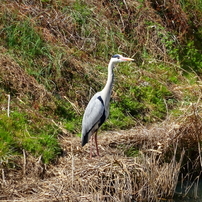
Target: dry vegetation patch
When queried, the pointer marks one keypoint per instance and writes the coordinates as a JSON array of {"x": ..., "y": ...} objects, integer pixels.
[
  {"x": 150, "y": 174},
  {"x": 19, "y": 83}
]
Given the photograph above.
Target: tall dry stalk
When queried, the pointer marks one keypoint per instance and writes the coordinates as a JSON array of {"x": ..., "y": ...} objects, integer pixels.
[{"x": 8, "y": 107}]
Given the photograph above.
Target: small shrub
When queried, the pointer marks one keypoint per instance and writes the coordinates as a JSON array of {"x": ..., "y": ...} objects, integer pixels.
[{"x": 190, "y": 58}]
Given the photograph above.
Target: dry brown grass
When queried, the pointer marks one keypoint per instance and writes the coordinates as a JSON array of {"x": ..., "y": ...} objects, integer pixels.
[
  {"x": 141, "y": 22},
  {"x": 150, "y": 175},
  {"x": 16, "y": 81}
]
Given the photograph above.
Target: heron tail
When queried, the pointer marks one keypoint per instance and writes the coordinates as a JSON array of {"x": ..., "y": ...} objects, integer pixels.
[{"x": 84, "y": 140}]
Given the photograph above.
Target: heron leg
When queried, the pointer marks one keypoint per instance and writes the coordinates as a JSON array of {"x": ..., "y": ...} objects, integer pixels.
[
  {"x": 91, "y": 145},
  {"x": 96, "y": 144}
]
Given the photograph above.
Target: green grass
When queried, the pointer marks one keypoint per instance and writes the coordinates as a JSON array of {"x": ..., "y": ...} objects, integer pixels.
[
  {"x": 190, "y": 58},
  {"x": 81, "y": 13},
  {"x": 131, "y": 152},
  {"x": 188, "y": 4},
  {"x": 21, "y": 36},
  {"x": 18, "y": 133}
]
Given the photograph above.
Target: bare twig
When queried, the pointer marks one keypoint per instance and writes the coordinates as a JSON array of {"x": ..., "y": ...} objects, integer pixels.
[
  {"x": 8, "y": 108},
  {"x": 24, "y": 162}
]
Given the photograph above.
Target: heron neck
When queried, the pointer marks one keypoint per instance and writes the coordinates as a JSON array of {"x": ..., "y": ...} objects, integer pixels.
[{"x": 108, "y": 87}]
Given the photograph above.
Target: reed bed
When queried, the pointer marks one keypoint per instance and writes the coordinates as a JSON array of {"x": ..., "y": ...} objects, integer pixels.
[{"x": 165, "y": 152}]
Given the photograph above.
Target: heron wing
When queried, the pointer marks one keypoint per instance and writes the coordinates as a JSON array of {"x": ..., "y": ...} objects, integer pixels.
[{"x": 93, "y": 115}]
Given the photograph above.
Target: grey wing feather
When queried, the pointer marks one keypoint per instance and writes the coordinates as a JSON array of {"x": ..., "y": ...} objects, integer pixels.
[{"x": 93, "y": 113}]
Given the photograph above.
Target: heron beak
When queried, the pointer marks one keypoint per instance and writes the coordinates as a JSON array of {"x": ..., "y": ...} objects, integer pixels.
[{"x": 127, "y": 59}]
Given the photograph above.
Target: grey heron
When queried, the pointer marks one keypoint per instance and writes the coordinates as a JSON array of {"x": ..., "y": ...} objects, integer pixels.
[{"x": 97, "y": 109}]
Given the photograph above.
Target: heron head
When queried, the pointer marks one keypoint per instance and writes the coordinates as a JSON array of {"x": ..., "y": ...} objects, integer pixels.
[{"x": 119, "y": 58}]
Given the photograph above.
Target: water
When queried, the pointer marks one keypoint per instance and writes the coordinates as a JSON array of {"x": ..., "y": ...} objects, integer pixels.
[{"x": 193, "y": 195}]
